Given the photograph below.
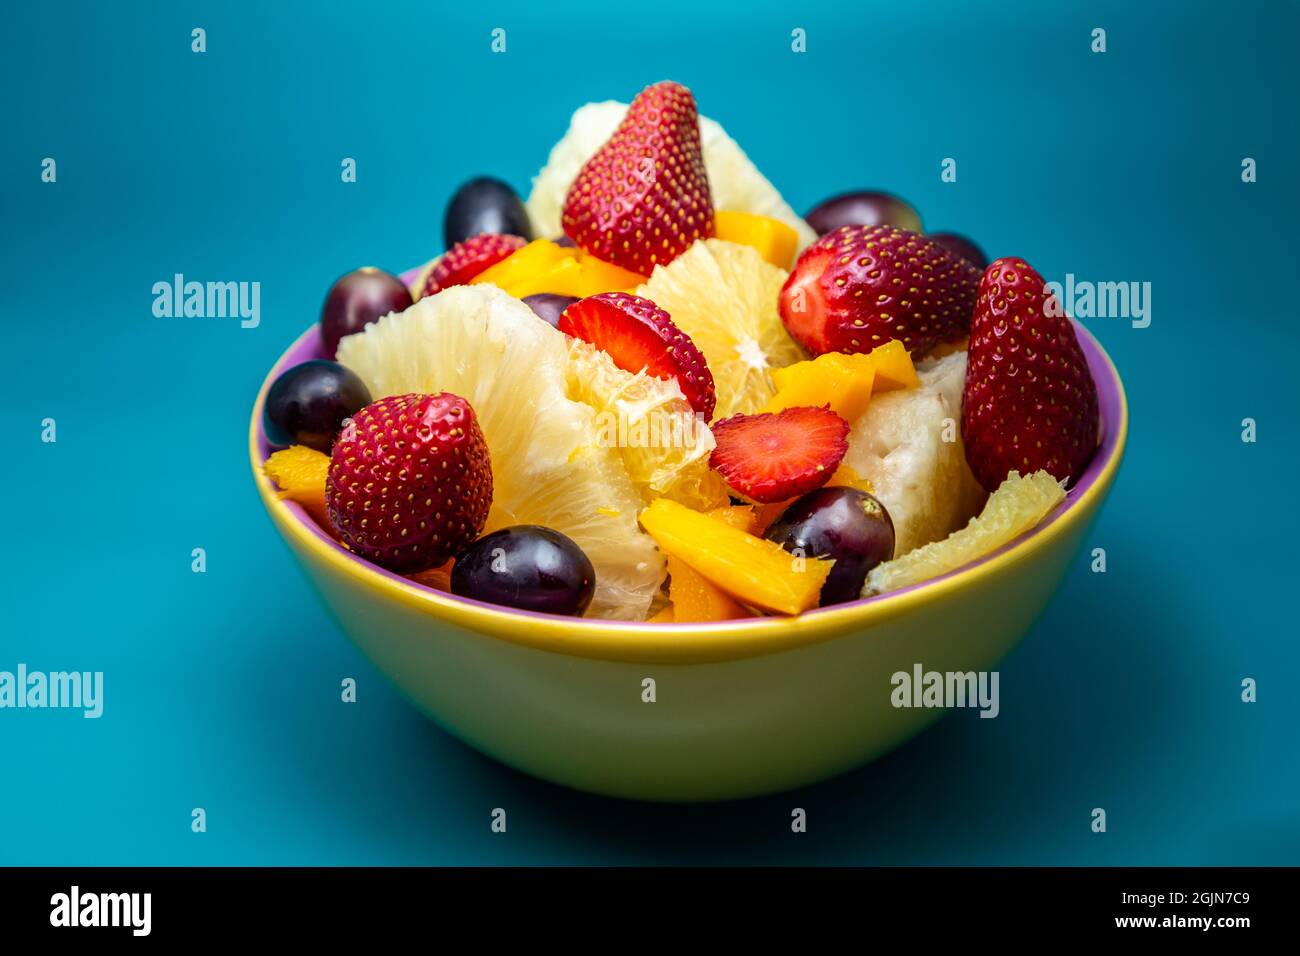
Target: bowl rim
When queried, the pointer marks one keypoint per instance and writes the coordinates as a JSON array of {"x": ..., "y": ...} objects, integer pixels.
[{"x": 637, "y": 641}]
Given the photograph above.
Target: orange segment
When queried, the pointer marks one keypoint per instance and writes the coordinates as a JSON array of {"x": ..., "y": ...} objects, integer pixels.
[
  {"x": 696, "y": 599},
  {"x": 300, "y": 472},
  {"x": 758, "y": 572},
  {"x": 665, "y": 616},
  {"x": 775, "y": 241}
]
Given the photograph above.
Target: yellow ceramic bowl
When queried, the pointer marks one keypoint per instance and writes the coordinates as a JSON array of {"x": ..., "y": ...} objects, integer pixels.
[{"x": 740, "y": 708}]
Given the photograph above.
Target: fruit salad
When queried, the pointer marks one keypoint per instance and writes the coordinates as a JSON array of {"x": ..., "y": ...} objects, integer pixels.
[{"x": 651, "y": 391}]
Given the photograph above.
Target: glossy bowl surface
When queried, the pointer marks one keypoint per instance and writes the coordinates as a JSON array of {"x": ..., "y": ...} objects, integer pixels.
[{"x": 739, "y": 708}]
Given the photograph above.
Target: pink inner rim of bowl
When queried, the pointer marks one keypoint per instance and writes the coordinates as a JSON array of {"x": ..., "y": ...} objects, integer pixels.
[{"x": 1108, "y": 397}]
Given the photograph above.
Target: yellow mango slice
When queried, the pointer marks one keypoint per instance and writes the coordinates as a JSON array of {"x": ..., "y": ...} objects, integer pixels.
[
  {"x": 738, "y": 516},
  {"x": 750, "y": 569},
  {"x": 891, "y": 363},
  {"x": 543, "y": 266},
  {"x": 596, "y": 275},
  {"x": 847, "y": 390},
  {"x": 521, "y": 272},
  {"x": 775, "y": 241},
  {"x": 300, "y": 472},
  {"x": 696, "y": 599}
]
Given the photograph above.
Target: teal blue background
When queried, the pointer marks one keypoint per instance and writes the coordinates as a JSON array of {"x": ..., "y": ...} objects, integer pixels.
[{"x": 222, "y": 689}]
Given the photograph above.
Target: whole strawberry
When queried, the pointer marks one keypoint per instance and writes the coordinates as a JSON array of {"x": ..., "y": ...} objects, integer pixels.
[
  {"x": 465, "y": 260},
  {"x": 1030, "y": 402},
  {"x": 857, "y": 287},
  {"x": 410, "y": 481},
  {"x": 644, "y": 197}
]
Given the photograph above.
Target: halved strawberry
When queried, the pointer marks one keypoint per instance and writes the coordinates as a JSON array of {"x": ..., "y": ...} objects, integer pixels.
[
  {"x": 1030, "y": 402},
  {"x": 859, "y": 286},
  {"x": 772, "y": 457},
  {"x": 638, "y": 335},
  {"x": 643, "y": 198},
  {"x": 465, "y": 260}
]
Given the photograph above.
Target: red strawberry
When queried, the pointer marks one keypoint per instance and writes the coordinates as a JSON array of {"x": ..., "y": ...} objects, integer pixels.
[
  {"x": 410, "y": 481},
  {"x": 772, "y": 457},
  {"x": 1030, "y": 402},
  {"x": 637, "y": 335},
  {"x": 857, "y": 287},
  {"x": 644, "y": 197},
  {"x": 465, "y": 260}
]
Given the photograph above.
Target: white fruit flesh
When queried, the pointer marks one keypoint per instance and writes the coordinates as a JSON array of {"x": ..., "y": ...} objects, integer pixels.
[{"x": 899, "y": 445}]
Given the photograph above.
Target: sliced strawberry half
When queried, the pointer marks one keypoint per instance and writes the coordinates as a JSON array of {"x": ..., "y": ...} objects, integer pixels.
[
  {"x": 465, "y": 260},
  {"x": 772, "y": 457},
  {"x": 638, "y": 335}
]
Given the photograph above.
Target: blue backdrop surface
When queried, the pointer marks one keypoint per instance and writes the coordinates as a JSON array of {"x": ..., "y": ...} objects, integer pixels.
[{"x": 222, "y": 688}]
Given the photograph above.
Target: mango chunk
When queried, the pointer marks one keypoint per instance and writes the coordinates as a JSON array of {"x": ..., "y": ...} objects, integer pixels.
[
  {"x": 696, "y": 599},
  {"x": 300, "y": 472},
  {"x": 596, "y": 276},
  {"x": 532, "y": 269},
  {"x": 665, "y": 616},
  {"x": 438, "y": 578},
  {"x": 738, "y": 516},
  {"x": 846, "y": 389},
  {"x": 891, "y": 363},
  {"x": 775, "y": 241},
  {"x": 543, "y": 266},
  {"x": 754, "y": 571}
]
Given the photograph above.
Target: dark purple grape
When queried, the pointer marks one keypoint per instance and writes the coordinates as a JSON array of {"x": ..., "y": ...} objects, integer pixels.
[
  {"x": 356, "y": 300},
  {"x": 962, "y": 247},
  {"x": 485, "y": 205},
  {"x": 549, "y": 305},
  {"x": 848, "y": 525},
  {"x": 527, "y": 567},
  {"x": 863, "y": 209},
  {"x": 564, "y": 242},
  {"x": 307, "y": 404}
]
